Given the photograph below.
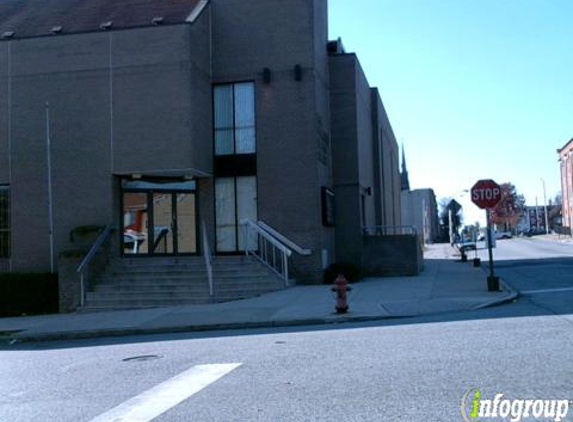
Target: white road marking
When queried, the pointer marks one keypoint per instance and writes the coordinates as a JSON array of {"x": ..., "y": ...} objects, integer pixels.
[
  {"x": 157, "y": 400},
  {"x": 532, "y": 292}
]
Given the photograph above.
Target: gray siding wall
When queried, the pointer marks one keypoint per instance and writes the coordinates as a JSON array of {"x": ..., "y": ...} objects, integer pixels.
[
  {"x": 345, "y": 157},
  {"x": 414, "y": 204},
  {"x": 4, "y": 113},
  {"x": 390, "y": 170},
  {"x": 365, "y": 145},
  {"x": 379, "y": 200},
  {"x": 352, "y": 146},
  {"x": 245, "y": 41},
  {"x": 158, "y": 123}
]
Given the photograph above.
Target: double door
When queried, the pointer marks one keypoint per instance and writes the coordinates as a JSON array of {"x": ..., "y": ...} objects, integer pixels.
[{"x": 159, "y": 222}]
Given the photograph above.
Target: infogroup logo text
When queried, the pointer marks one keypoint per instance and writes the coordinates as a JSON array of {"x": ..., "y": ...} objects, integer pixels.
[{"x": 475, "y": 407}]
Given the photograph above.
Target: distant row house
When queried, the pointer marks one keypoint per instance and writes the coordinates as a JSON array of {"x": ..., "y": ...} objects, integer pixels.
[{"x": 566, "y": 169}]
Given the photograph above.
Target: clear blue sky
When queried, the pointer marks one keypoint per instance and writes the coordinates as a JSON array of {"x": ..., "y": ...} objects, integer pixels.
[{"x": 473, "y": 88}]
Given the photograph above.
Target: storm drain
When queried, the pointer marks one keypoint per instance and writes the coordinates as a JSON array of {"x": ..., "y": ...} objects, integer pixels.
[{"x": 142, "y": 358}]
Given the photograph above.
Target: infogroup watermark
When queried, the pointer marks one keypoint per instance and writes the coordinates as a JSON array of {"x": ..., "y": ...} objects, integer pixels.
[{"x": 476, "y": 407}]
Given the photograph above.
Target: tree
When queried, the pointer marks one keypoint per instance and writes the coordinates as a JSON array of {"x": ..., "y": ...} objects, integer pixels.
[
  {"x": 445, "y": 205},
  {"x": 509, "y": 209}
]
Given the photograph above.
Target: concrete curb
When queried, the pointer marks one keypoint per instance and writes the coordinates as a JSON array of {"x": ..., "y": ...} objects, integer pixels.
[
  {"x": 332, "y": 320},
  {"x": 512, "y": 295}
]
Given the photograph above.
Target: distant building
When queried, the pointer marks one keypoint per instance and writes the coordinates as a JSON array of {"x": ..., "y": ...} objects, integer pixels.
[
  {"x": 533, "y": 218},
  {"x": 566, "y": 167},
  {"x": 419, "y": 209},
  {"x": 405, "y": 181}
]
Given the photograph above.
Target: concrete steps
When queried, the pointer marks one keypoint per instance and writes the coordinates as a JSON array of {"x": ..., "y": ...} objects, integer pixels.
[{"x": 134, "y": 283}]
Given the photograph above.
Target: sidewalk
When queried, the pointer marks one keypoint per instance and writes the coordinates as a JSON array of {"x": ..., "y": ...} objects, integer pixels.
[
  {"x": 444, "y": 286},
  {"x": 552, "y": 237}
]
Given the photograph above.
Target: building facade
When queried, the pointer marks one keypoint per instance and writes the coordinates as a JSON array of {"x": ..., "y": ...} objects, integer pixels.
[
  {"x": 163, "y": 117},
  {"x": 420, "y": 210},
  {"x": 566, "y": 169}
]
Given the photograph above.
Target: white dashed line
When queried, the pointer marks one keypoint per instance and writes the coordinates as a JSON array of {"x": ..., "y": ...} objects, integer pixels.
[{"x": 159, "y": 399}]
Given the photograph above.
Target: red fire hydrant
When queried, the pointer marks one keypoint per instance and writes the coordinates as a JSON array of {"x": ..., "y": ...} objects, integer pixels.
[{"x": 340, "y": 288}]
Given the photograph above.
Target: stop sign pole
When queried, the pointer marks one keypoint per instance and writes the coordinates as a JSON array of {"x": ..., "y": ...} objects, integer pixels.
[{"x": 486, "y": 194}]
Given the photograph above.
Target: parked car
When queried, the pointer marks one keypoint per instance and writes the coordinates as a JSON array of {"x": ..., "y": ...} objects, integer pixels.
[
  {"x": 534, "y": 231},
  {"x": 503, "y": 235}
]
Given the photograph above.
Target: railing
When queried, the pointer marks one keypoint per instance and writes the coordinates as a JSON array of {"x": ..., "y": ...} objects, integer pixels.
[
  {"x": 389, "y": 230},
  {"x": 208, "y": 259},
  {"x": 83, "y": 268},
  {"x": 270, "y": 251},
  {"x": 161, "y": 237},
  {"x": 286, "y": 241}
]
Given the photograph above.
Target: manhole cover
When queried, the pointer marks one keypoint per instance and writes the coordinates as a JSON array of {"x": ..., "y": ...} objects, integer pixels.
[{"x": 142, "y": 358}]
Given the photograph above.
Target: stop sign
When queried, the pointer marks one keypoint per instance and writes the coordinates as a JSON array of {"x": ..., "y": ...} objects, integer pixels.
[{"x": 486, "y": 193}]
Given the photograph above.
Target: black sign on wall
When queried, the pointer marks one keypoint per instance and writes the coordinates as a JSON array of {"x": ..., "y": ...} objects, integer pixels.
[{"x": 327, "y": 196}]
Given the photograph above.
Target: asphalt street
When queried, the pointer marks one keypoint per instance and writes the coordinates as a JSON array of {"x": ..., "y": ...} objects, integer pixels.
[{"x": 408, "y": 369}]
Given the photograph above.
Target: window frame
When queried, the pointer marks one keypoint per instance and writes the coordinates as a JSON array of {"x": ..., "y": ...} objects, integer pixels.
[
  {"x": 5, "y": 190},
  {"x": 234, "y": 127}
]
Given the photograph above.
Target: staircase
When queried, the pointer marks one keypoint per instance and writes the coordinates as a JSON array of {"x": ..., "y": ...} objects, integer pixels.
[{"x": 161, "y": 282}]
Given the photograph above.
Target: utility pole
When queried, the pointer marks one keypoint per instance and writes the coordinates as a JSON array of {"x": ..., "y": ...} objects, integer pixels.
[
  {"x": 50, "y": 196},
  {"x": 536, "y": 214},
  {"x": 545, "y": 205}
]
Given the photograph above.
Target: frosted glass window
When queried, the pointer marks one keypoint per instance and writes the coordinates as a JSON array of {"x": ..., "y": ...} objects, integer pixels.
[
  {"x": 224, "y": 120},
  {"x": 245, "y": 118},
  {"x": 247, "y": 207},
  {"x": 4, "y": 222},
  {"x": 235, "y": 119},
  {"x": 225, "y": 214}
]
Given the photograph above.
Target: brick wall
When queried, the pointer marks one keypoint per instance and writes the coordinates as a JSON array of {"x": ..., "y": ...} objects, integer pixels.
[{"x": 399, "y": 255}]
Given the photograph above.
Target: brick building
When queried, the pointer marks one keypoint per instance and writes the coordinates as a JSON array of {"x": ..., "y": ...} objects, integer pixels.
[{"x": 174, "y": 122}]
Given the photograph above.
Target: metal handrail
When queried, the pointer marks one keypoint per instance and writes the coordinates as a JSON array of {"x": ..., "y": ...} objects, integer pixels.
[
  {"x": 286, "y": 241},
  {"x": 267, "y": 236},
  {"x": 389, "y": 230},
  {"x": 267, "y": 248},
  {"x": 208, "y": 259},
  {"x": 88, "y": 259},
  {"x": 162, "y": 236}
]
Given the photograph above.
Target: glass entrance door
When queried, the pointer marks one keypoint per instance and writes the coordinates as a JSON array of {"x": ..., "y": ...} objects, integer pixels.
[
  {"x": 158, "y": 219},
  {"x": 164, "y": 222},
  {"x": 186, "y": 238}
]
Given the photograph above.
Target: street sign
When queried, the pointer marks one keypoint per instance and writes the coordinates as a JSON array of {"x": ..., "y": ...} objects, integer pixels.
[{"x": 486, "y": 193}]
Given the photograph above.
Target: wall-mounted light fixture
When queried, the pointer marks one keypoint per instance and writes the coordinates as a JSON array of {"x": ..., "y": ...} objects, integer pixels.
[
  {"x": 267, "y": 75},
  {"x": 297, "y": 72}
]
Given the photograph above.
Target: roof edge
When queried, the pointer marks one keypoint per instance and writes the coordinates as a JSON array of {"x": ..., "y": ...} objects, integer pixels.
[
  {"x": 197, "y": 10},
  {"x": 564, "y": 146}
]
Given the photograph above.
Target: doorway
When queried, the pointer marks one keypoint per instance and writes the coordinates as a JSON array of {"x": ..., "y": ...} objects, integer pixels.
[{"x": 158, "y": 218}]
